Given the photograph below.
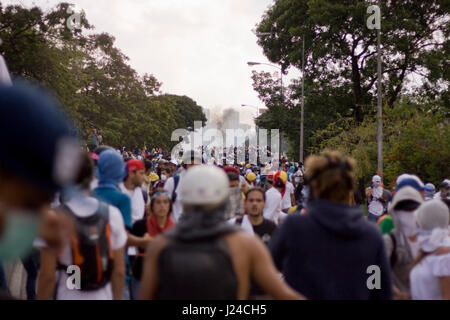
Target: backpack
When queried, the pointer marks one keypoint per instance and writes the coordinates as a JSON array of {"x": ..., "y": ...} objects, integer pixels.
[
  {"x": 176, "y": 179},
  {"x": 200, "y": 269},
  {"x": 91, "y": 248}
]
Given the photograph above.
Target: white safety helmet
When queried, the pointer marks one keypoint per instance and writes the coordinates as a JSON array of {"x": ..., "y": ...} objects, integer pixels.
[{"x": 204, "y": 185}]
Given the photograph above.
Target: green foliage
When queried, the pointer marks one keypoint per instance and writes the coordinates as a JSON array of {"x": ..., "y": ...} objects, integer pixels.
[
  {"x": 341, "y": 60},
  {"x": 416, "y": 140},
  {"x": 91, "y": 78}
]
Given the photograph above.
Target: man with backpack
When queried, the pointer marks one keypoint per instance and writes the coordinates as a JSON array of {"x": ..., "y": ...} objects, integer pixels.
[
  {"x": 205, "y": 257},
  {"x": 91, "y": 265}
]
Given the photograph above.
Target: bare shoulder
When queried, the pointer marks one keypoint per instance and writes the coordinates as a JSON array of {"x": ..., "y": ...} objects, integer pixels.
[
  {"x": 157, "y": 245},
  {"x": 242, "y": 240}
]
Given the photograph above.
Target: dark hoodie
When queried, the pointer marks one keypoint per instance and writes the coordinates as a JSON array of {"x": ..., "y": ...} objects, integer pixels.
[{"x": 325, "y": 254}]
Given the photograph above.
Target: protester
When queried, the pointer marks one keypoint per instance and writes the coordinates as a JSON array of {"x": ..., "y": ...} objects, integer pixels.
[
  {"x": 401, "y": 244},
  {"x": 236, "y": 204},
  {"x": 28, "y": 183},
  {"x": 255, "y": 199},
  {"x": 156, "y": 223},
  {"x": 375, "y": 199},
  {"x": 288, "y": 199},
  {"x": 135, "y": 173},
  {"x": 274, "y": 195},
  {"x": 111, "y": 172},
  {"x": 204, "y": 257},
  {"x": 326, "y": 253},
  {"x": 444, "y": 190},
  {"x": 105, "y": 252},
  {"x": 430, "y": 190},
  {"x": 430, "y": 276}
]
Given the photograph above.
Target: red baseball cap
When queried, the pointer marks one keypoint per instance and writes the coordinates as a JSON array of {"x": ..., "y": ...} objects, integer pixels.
[{"x": 135, "y": 165}]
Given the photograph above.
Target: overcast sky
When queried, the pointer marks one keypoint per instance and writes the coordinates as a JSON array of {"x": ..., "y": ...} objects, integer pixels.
[{"x": 197, "y": 48}]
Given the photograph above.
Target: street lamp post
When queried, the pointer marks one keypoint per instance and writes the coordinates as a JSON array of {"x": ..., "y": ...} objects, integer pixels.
[
  {"x": 263, "y": 34},
  {"x": 303, "y": 101},
  {"x": 251, "y": 63}
]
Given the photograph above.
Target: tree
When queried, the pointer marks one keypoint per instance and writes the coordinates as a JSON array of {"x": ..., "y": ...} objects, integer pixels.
[
  {"x": 340, "y": 51},
  {"x": 91, "y": 78}
]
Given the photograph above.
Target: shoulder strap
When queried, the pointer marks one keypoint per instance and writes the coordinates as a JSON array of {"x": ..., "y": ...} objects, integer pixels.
[
  {"x": 394, "y": 249},
  {"x": 145, "y": 195},
  {"x": 103, "y": 210},
  {"x": 176, "y": 179}
]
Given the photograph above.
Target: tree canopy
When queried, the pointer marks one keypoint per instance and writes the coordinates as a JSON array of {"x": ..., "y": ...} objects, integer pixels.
[{"x": 92, "y": 78}]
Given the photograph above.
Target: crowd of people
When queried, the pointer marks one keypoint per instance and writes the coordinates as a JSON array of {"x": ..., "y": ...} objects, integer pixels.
[{"x": 113, "y": 224}]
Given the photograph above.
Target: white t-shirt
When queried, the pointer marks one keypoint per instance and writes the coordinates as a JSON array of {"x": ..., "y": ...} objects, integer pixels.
[
  {"x": 286, "y": 202},
  {"x": 272, "y": 210},
  {"x": 177, "y": 206},
  {"x": 375, "y": 206},
  {"x": 137, "y": 202},
  {"x": 424, "y": 277},
  {"x": 85, "y": 207},
  {"x": 137, "y": 208}
]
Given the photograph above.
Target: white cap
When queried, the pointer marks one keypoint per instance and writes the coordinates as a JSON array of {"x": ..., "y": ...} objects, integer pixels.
[{"x": 204, "y": 185}]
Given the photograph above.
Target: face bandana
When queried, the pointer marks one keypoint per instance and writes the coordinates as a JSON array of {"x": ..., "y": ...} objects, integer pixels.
[
  {"x": 20, "y": 230},
  {"x": 407, "y": 223}
]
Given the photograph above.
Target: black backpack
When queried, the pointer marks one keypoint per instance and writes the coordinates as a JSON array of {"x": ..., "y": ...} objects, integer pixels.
[
  {"x": 91, "y": 248},
  {"x": 196, "y": 270}
]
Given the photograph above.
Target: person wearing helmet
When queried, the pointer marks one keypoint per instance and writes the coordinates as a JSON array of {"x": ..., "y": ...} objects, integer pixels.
[
  {"x": 274, "y": 196},
  {"x": 250, "y": 178},
  {"x": 203, "y": 256},
  {"x": 148, "y": 170},
  {"x": 430, "y": 190},
  {"x": 190, "y": 159},
  {"x": 154, "y": 178},
  {"x": 288, "y": 198}
]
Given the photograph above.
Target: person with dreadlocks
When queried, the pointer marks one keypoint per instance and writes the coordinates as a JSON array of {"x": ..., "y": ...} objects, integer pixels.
[{"x": 326, "y": 253}]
